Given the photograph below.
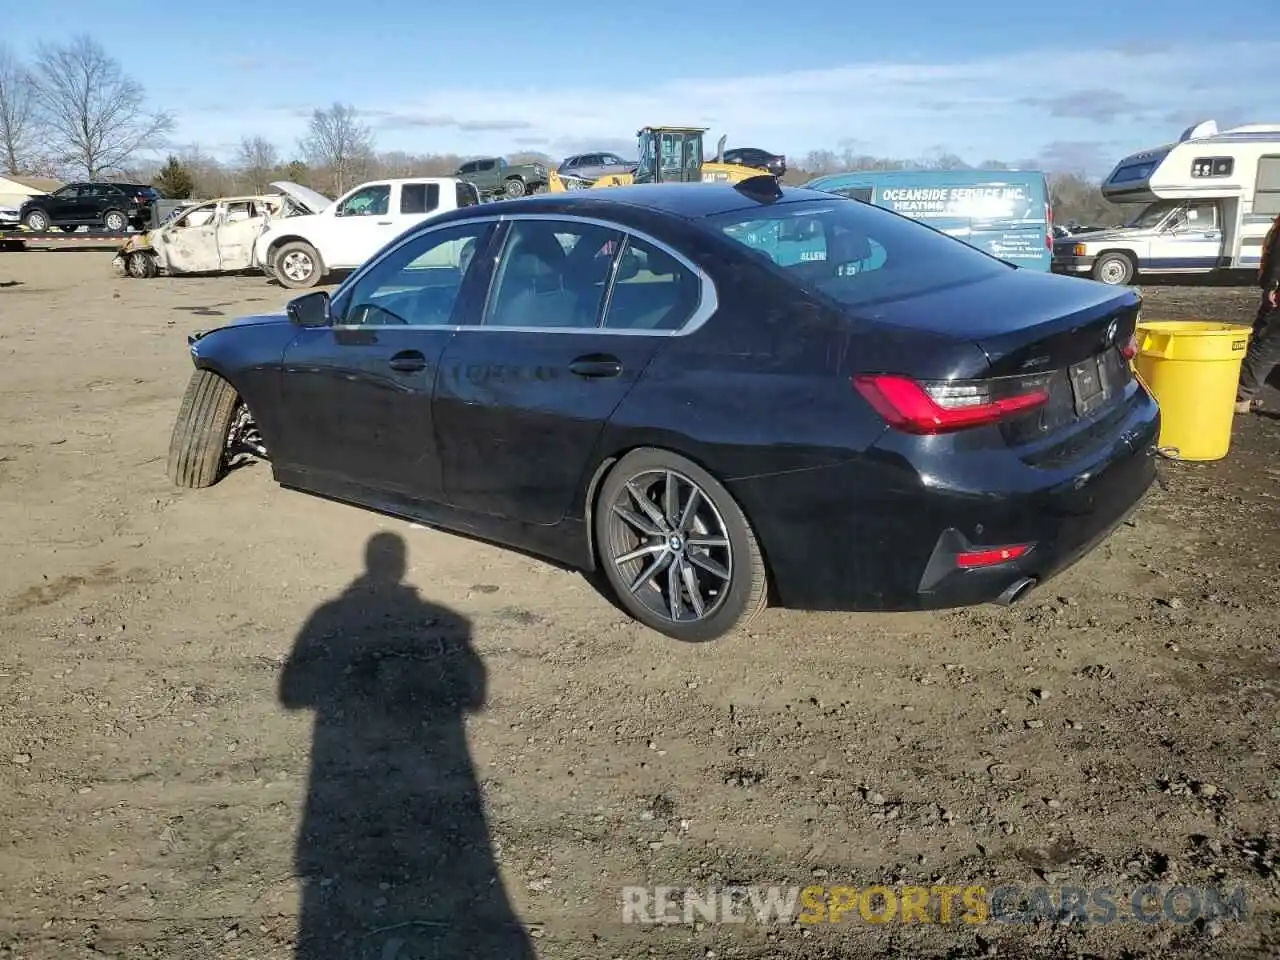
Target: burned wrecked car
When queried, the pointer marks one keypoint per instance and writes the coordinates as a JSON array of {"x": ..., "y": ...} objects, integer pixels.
[{"x": 216, "y": 236}]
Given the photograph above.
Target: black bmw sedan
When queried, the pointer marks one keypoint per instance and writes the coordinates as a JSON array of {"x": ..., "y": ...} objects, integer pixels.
[{"x": 717, "y": 395}]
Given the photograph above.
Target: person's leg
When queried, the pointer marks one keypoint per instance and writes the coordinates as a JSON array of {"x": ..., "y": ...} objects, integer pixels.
[{"x": 1263, "y": 357}]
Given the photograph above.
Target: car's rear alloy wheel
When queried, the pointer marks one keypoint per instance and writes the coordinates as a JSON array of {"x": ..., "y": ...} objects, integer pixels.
[
  {"x": 115, "y": 221},
  {"x": 676, "y": 548}
]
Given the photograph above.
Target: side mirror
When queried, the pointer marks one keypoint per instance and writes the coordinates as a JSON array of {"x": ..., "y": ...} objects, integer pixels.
[{"x": 310, "y": 310}]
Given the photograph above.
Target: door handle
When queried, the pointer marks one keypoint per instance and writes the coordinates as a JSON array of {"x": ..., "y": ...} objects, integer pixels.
[
  {"x": 596, "y": 365},
  {"x": 384, "y": 223},
  {"x": 408, "y": 361}
]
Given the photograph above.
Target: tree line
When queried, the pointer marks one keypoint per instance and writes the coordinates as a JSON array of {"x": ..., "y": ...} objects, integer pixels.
[{"x": 70, "y": 110}]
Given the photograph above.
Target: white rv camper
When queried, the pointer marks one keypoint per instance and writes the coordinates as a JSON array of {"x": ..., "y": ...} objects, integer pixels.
[{"x": 1211, "y": 198}]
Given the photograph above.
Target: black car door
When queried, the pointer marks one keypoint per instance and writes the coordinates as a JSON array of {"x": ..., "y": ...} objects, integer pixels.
[
  {"x": 356, "y": 396},
  {"x": 575, "y": 312},
  {"x": 65, "y": 204}
]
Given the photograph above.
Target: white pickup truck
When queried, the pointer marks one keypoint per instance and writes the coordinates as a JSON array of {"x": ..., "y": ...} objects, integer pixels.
[{"x": 342, "y": 235}]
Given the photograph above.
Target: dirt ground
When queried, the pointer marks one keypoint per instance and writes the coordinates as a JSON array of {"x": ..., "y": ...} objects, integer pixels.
[{"x": 221, "y": 737}]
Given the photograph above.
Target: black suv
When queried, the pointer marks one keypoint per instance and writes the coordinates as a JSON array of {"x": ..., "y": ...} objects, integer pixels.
[
  {"x": 112, "y": 206},
  {"x": 775, "y": 163}
]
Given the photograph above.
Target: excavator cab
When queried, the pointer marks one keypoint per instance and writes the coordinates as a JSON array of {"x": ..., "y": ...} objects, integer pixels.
[{"x": 669, "y": 154}]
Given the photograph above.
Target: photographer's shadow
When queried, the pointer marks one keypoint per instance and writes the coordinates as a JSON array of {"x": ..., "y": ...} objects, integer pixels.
[{"x": 393, "y": 848}]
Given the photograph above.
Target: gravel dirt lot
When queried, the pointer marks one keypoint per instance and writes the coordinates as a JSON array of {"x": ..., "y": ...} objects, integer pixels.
[{"x": 220, "y": 736}]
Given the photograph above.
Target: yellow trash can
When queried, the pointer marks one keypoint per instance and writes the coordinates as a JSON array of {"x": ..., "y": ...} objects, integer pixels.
[{"x": 1192, "y": 368}]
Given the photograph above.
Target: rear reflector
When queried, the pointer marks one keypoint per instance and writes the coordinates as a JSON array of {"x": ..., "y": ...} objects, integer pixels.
[
  {"x": 1130, "y": 348},
  {"x": 943, "y": 406},
  {"x": 990, "y": 556}
]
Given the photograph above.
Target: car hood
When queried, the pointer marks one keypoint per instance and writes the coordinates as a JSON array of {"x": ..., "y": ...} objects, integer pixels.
[
  {"x": 1119, "y": 233},
  {"x": 254, "y": 320},
  {"x": 303, "y": 196}
]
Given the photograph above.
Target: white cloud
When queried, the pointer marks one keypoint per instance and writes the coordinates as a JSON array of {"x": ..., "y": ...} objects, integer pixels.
[{"x": 1008, "y": 107}]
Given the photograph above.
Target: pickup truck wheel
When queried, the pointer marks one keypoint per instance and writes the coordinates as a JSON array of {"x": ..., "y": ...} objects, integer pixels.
[
  {"x": 37, "y": 220},
  {"x": 115, "y": 221},
  {"x": 198, "y": 445},
  {"x": 1113, "y": 268},
  {"x": 515, "y": 187},
  {"x": 297, "y": 265}
]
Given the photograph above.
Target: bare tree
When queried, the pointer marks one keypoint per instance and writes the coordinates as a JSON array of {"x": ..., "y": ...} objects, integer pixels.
[
  {"x": 95, "y": 114},
  {"x": 257, "y": 160},
  {"x": 338, "y": 142},
  {"x": 17, "y": 113}
]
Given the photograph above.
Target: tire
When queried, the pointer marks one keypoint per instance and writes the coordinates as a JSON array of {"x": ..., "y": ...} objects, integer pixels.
[
  {"x": 197, "y": 448},
  {"x": 141, "y": 266},
  {"x": 730, "y": 597},
  {"x": 297, "y": 265},
  {"x": 36, "y": 220},
  {"x": 113, "y": 221},
  {"x": 514, "y": 188},
  {"x": 1113, "y": 269}
]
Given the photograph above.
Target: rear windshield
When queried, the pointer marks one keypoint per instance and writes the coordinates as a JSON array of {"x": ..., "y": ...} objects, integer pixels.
[{"x": 855, "y": 253}]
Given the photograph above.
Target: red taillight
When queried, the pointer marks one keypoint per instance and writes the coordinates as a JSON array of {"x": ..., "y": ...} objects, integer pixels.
[
  {"x": 1130, "y": 348},
  {"x": 947, "y": 405},
  {"x": 990, "y": 556}
]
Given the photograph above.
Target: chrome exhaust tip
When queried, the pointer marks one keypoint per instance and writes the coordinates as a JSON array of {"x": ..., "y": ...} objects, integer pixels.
[{"x": 1015, "y": 590}]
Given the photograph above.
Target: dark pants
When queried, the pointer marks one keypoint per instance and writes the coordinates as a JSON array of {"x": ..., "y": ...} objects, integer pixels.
[{"x": 1264, "y": 351}]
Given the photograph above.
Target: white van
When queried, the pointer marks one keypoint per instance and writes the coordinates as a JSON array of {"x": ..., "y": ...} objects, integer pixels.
[{"x": 1211, "y": 197}]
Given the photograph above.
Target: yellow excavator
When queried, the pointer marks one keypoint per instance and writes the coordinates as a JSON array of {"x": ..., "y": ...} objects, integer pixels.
[{"x": 667, "y": 155}]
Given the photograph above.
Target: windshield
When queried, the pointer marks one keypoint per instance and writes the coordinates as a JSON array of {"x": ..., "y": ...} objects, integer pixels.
[
  {"x": 855, "y": 253},
  {"x": 1151, "y": 215}
]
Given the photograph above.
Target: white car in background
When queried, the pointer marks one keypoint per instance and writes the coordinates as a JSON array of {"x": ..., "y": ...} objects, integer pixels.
[
  {"x": 342, "y": 235},
  {"x": 9, "y": 219},
  {"x": 214, "y": 236}
]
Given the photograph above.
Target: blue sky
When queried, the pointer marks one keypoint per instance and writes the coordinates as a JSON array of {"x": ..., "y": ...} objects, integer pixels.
[{"x": 988, "y": 80}]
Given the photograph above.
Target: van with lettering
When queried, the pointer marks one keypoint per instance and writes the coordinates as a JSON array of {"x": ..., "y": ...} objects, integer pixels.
[{"x": 1006, "y": 213}]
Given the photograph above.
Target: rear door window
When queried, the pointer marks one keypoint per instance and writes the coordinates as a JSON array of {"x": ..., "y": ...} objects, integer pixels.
[
  {"x": 419, "y": 197},
  {"x": 856, "y": 253}
]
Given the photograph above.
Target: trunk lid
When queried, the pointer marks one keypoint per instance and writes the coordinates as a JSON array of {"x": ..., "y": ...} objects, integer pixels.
[{"x": 1068, "y": 330}]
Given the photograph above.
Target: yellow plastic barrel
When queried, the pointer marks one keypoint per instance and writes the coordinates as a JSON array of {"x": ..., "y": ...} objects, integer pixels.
[{"x": 1192, "y": 368}]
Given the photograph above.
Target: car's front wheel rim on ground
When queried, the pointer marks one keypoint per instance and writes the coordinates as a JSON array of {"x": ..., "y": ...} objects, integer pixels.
[
  {"x": 1113, "y": 270},
  {"x": 296, "y": 265},
  {"x": 140, "y": 265}
]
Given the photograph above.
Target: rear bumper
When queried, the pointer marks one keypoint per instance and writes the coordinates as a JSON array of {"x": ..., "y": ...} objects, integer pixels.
[{"x": 880, "y": 534}]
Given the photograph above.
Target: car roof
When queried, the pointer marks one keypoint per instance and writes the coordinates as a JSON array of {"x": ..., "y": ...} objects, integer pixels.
[{"x": 690, "y": 201}]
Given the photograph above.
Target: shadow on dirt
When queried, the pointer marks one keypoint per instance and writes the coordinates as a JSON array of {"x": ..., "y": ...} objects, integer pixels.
[{"x": 393, "y": 851}]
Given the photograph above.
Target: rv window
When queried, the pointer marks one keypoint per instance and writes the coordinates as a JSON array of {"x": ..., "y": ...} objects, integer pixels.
[
  {"x": 1266, "y": 192},
  {"x": 1212, "y": 166},
  {"x": 1135, "y": 171}
]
